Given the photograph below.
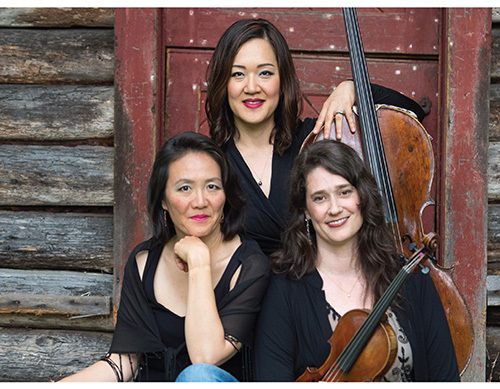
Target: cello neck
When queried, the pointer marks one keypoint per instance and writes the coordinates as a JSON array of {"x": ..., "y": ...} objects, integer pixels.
[{"x": 370, "y": 132}]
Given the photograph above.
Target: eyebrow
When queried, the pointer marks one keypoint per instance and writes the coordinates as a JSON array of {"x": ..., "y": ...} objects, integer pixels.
[
  {"x": 188, "y": 181},
  {"x": 258, "y": 66},
  {"x": 339, "y": 187}
]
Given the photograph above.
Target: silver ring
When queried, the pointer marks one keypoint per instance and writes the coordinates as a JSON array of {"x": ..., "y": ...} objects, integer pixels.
[{"x": 339, "y": 112}]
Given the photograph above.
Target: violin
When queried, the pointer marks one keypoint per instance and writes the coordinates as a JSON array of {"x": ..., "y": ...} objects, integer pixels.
[
  {"x": 398, "y": 151},
  {"x": 363, "y": 345}
]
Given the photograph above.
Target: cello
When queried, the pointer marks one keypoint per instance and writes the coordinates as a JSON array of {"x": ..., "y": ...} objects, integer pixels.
[{"x": 398, "y": 151}]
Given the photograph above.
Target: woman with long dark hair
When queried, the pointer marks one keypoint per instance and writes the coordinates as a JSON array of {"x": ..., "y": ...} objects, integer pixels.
[
  {"x": 253, "y": 107},
  {"x": 338, "y": 255}
]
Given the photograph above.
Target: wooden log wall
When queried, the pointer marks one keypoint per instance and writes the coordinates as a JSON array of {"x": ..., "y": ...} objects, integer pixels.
[{"x": 56, "y": 190}]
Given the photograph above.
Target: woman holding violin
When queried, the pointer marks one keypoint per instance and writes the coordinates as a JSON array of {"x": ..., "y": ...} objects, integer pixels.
[
  {"x": 253, "y": 108},
  {"x": 337, "y": 256}
]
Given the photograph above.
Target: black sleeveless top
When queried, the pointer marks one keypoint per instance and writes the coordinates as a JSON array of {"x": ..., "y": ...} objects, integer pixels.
[
  {"x": 156, "y": 335},
  {"x": 171, "y": 325}
]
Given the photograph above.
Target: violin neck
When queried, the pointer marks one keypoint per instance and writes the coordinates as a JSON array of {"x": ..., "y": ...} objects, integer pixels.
[
  {"x": 370, "y": 132},
  {"x": 356, "y": 345}
]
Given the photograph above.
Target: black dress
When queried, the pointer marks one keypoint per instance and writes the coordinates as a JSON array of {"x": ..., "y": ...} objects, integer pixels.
[
  {"x": 156, "y": 335},
  {"x": 266, "y": 218}
]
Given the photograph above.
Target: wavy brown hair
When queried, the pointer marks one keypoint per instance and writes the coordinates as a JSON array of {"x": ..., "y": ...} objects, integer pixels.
[
  {"x": 379, "y": 260},
  {"x": 219, "y": 115}
]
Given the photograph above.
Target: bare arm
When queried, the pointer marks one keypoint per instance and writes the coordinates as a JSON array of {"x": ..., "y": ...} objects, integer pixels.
[{"x": 203, "y": 328}]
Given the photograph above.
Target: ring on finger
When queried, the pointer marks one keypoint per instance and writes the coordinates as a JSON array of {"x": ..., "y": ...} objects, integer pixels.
[{"x": 341, "y": 112}]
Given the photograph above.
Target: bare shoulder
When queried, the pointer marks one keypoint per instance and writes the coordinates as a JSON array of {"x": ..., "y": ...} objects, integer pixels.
[{"x": 141, "y": 259}]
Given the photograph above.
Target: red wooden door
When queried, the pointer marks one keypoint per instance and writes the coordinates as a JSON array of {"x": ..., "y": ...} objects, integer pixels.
[
  {"x": 401, "y": 54},
  {"x": 442, "y": 54}
]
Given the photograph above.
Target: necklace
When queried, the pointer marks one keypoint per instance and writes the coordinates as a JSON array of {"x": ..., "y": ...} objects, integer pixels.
[
  {"x": 259, "y": 181},
  {"x": 342, "y": 289}
]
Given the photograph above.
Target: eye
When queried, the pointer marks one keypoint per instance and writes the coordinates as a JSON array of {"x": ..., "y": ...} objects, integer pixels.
[
  {"x": 214, "y": 187},
  {"x": 184, "y": 188},
  {"x": 266, "y": 73},
  {"x": 318, "y": 198},
  {"x": 237, "y": 74},
  {"x": 347, "y": 192}
]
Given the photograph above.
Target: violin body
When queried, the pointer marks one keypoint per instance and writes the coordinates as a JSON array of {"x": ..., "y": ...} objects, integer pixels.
[
  {"x": 410, "y": 162},
  {"x": 373, "y": 363}
]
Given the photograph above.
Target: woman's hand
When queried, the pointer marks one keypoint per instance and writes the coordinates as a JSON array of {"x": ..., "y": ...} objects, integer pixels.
[
  {"x": 190, "y": 253},
  {"x": 338, "y": 104}
]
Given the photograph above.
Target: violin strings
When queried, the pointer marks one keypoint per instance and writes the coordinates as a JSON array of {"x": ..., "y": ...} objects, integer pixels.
[{"x": 351, "y": 352}]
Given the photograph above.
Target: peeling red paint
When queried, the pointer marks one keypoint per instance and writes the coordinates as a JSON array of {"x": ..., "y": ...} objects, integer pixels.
[
  {"x": 135, "y": 128},
  {"x": 466, "y": 61}
]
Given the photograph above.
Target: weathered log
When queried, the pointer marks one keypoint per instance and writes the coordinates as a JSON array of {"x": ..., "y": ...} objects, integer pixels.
[
  {"x": 57, "y": 17},
  {"x": 51, "y": 305},
  {"x": 57, "y": 56},
  {"x": 495, "y": 55},
  {"x": 56, "y": 113},
  {"x": 493, "y": 171},
  {"x": 494, "y": 239},
  {"x": 42, "y": 240},
  {"x": 494, "y": 125},
  {"x": 493, "y": 287},
  {"x": 56, "y": 175},
  {"x": 55, "y": 321},
  {"x": 55, "y": 283},
  {"x": 48, "y": 355},
  {"x": 492, "y": 354}
]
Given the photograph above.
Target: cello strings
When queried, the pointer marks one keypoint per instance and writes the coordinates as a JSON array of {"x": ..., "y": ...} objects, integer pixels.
[{"x": 373, "y": 144}]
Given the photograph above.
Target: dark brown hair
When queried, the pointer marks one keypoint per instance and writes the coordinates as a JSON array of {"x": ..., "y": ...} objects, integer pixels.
[
  {"x": 219, "y": 115},
  {"x": 377, "y": 253}
]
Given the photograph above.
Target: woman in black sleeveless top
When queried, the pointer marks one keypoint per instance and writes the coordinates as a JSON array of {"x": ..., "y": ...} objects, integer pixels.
[{"x": 192, "y": 292}]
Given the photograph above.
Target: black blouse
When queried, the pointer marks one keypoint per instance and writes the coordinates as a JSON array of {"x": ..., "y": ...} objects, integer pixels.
[
  {"x": 266, "y": 218},
  {"x": 139, "y": 330},
  {"x": 293, "y": 330}
]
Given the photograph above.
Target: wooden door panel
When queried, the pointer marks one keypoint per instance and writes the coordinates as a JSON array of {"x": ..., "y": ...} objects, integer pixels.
[{"x": 409, "y": 31}]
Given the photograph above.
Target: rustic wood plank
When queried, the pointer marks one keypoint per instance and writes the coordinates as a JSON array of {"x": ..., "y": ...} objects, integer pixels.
[
  {"x": 57, "y": 17},
  {"x": 70, "y": 241},
  {"x": 57, "y": 56},
  {"x": 492, "y": 354},
  {"x": 52, "y": 305},
  {"x": 494, "y": 125},
  {"x": 493, "y": 239},
  {"x": 54, "y": 321},
  {"x": 495, "y": 55},
  {"x": 48, "y": 355},
  {"x": 55, "y": 283},
  {"x": 56, "y": 175},
  {"x": 493, "y": 171},
  {"x": 493, "y": 286},
  {"x": 56, "y": 113}
]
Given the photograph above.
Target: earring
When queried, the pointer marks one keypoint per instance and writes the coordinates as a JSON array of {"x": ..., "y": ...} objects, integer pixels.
[
  {"x": 165, "y": 218},
  {"x": 308, "y": 229},
  {"x": 222, "y": 218}
]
